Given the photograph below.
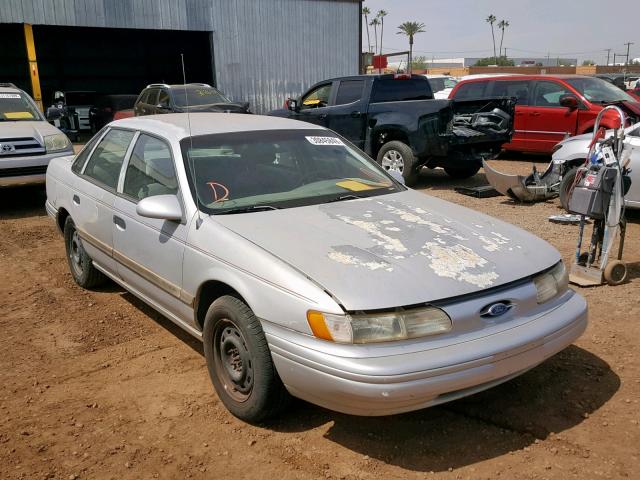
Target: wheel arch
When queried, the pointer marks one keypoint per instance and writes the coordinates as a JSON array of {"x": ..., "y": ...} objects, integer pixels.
[
  {"x": 61, "y": 218},
  {"x": 208, "y": 292},
  {"x": 388, "y": 134}
]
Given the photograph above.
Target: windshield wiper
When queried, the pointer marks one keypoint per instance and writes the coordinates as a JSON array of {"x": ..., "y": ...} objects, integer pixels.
[
  {"x": 342, "y": 198},
  {"x": 247, "y": 209}
]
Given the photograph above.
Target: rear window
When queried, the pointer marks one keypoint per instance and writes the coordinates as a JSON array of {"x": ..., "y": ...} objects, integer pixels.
[
  {"x": 198, "y": 96},
  {"x": 398, "y": 90},
  {"x": 349, "y": 91},
  {"x": 471, "y": 90}
]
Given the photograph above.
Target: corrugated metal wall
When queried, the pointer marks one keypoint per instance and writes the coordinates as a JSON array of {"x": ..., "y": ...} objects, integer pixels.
[{"x": 264, "y": 50}]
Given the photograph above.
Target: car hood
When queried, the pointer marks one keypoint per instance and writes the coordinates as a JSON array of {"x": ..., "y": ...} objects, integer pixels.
[
  {"x": 31, "y": 129},
  {"x": 394, "y": 250}
]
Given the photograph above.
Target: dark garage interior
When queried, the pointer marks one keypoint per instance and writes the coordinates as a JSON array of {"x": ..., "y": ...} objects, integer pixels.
[{"x": 105, "y": 60}]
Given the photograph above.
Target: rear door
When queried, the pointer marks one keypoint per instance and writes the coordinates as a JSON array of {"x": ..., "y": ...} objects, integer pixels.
[
  {"x": 547, "y": 121},
  {"x": 521, "y": 90},
  {"x": 149, "y": 251},
  {"x": 348, "y": 115},
  {"x": 314, "y": 105},
  {"x": 94, "y": 195}
]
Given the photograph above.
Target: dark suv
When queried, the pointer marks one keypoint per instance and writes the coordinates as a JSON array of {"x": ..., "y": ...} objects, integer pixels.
[{"x": 193, "y": 97}]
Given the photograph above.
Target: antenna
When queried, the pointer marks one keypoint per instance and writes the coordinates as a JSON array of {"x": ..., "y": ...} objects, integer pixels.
[{"x": 192, "y": 165}]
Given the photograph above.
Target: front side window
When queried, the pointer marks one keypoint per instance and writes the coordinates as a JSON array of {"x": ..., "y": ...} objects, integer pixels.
[
  {"x": 548, "y": 94},
  {"x": 163, "y": 98},
  {"x": 598, "y": 91},
  {"x": 318, "y": 97},
  {"x": 349, "y": 91},
  {"x": 17, "y": 107},
  {"x": 190, "y": 95},
  {"x": 150, "y": 170},
  {"x": 106, "y": 161},
  {"x": 234, "y": 172}
]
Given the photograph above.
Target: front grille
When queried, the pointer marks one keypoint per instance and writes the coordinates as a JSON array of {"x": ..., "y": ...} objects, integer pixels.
[
  {"x": 21, "y": 147},
  {"x": 23, "y": 171}
]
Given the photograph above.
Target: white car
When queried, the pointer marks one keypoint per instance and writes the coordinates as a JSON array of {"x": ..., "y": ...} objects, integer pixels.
[{"x": 441, "y": 85}]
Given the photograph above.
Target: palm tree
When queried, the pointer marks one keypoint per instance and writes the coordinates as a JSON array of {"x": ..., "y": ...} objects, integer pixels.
[
  {"x": 366, "y": 12},
  {"x": 374, "y": 23},
  {"x": 410, "y": 29},
  {"x": 503, "y": 25},
  {"x": 491, "y": 19},
  {"x": 381, "y": 14}
]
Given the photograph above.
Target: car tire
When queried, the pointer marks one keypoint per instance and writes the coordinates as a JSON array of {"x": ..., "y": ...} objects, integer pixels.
[
  {"x": 80, "y": 263},
  {"x": 396, "y": 155},
  {"x": 240, "y": 363},
  {"x": 566, "y": 185},
  {"x": 462, "y": 172}
]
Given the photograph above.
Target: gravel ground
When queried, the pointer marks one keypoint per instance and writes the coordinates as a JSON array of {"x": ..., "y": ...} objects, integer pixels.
[{"x": 97, "y": 385}]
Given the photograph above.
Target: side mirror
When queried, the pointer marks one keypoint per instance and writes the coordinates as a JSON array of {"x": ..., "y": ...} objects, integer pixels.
[
  {"x": 569, "y": 101},
  {"x": 163, "y": 207},
  {"x": 397, "y": 176},
  {"x": 292, "y": 104}
]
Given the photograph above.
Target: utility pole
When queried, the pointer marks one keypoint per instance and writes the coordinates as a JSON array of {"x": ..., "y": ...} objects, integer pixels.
[
  {"x": 614, "y": 58},
  {"x": 628, "y": 44},
  {"x": 608, "y": 53}
]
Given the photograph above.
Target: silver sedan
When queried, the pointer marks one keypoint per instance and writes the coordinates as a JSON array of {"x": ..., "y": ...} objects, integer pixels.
[{"x": 305, "y": 268}]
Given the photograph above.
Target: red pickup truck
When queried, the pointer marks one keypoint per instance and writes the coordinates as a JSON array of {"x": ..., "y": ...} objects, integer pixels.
[{"x": 551, "y": 108}]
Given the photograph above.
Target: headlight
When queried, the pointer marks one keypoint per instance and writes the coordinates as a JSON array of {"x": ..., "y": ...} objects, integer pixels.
[
  {"x": 56, "y": 143},
  {"x": 551, "y": 283},
  {"x": 379, "y": 327}
]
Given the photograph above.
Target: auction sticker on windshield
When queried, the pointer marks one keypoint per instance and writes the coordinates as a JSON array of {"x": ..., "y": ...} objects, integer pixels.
[
  {"x": 324, "y": 140},
  {"x": 9, "y": 95}
]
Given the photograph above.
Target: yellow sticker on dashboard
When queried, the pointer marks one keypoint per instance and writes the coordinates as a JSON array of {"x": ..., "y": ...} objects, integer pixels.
[
  {"x": 354, "y": 185},
  {"x": 17, "y": 115},
  {"x": 313, "y": 101}
]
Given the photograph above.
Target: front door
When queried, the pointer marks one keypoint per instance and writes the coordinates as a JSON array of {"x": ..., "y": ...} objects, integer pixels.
[
  {"x": 149, "y": 251},
  {"x": 548, "y": 122},
  {"x": 94, "y": 196},
  {"x": 314, "y": 105}
]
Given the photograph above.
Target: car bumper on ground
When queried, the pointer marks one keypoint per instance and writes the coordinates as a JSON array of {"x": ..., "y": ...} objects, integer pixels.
[
  {"x": 17, "y": 171},
  {"x": 351, "y": 385}
]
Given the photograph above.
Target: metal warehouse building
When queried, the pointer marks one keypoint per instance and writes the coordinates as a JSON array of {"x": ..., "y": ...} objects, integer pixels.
[{"x": 259, "y": 51}]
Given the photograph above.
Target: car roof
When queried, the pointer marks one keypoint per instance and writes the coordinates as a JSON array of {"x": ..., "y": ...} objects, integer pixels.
[
  {"x": 175, "y": 126},
  {"x": 541, "y": 76}
]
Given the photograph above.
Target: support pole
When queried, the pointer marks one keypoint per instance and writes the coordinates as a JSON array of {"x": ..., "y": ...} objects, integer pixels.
[{"x": 33, "y": 65}]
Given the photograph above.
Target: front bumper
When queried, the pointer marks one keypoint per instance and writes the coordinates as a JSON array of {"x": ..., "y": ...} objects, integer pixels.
[
  {"x": 16, "y": 171},
  {"x": 355, "y": 386}
]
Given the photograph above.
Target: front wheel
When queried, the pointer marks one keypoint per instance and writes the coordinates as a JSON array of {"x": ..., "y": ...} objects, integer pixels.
[
  {"x": 397, "y": 156},
  {"x": 240, "y": 363},
  {"x": 462, "y": 172}
]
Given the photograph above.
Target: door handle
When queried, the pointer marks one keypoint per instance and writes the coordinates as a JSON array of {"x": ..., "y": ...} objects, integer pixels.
[
  {"x": 356, "y": 114},
  {"x": 120, "y": 223},
  {"x": 535, "y": 114},
  {"x": 322, "y": 116},
  {"x": 76, "y": 199}
]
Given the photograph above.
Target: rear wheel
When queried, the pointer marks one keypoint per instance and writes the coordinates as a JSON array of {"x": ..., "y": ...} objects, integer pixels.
[
  {"x": 397, "y": 156},
  {"x": 566, "y": 185},
  {"x": 80, "y": 264},
  {"x": 462, "y": 172},
  {"x": 240, "y": 363}
]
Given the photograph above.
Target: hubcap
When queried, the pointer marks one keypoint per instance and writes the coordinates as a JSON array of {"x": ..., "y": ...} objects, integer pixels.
[
  {"x": 233, "y": 361},
  {"x": 75, "y": 253},
  {"x": 393, "y": 161}
]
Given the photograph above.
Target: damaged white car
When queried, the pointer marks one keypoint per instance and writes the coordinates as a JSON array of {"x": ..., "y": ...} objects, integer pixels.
[{"x": 305, "y": 268}]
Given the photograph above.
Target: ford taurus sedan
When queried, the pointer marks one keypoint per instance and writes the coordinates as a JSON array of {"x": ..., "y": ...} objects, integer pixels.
[{"x": 305, "y": 268}]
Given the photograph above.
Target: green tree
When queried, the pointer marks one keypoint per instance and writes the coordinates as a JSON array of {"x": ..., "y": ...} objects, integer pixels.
[
  {"x": 587, "y": 63},
  {"x": 419, "y": 63},
  {"x": 410, "y": 29},
  {"x": 366, "y": 12},
  {"x": 374, "y": 23},
  {"x": 502, "y": 25},
  {"x": 491, "y": 19},
  {"x": 500, "y": 61},
  {"x": 381, "y": 15}
]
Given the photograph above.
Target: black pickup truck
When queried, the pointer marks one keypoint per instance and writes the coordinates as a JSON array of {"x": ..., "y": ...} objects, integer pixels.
[{"x": 395, "y": 119}]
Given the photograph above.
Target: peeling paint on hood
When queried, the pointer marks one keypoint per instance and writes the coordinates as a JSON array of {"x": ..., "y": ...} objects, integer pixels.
[{"x": 398, "y": 249}]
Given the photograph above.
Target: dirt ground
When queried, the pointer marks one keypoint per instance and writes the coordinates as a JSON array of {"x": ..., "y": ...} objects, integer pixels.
[{"x": 96, "y": 385}]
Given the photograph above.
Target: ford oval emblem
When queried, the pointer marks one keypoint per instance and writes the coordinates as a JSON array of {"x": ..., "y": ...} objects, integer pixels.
[{"x": 496, "y": 309}]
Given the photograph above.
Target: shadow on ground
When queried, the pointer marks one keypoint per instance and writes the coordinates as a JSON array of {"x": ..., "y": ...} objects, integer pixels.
[{"x": 22, "y": 202}]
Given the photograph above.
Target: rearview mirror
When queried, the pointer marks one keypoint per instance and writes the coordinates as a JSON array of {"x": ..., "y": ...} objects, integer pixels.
[
  {"x": 163, "y": 207},
  {"x": 569, "y": 101}
]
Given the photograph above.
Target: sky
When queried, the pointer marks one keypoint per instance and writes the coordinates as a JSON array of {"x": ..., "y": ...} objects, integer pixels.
[{"x": 580, "y": 29}]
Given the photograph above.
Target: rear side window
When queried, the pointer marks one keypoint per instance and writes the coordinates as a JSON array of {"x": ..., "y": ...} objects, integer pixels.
[
  {"x": 471, "y": 90},
  {"x": 511, "y": 88},
  {"x": 398, "y": 90},
  {"x": 349, "y": 91},
  {"x": 105, "y": 163}
]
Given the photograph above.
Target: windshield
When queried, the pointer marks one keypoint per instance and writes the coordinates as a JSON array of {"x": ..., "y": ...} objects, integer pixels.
[
  {"x": 17, "y": 107},
  {"x": 278, "y": 169},
  {"x": 198, "y": 96},
  {"x": 598, "y": 91}
]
